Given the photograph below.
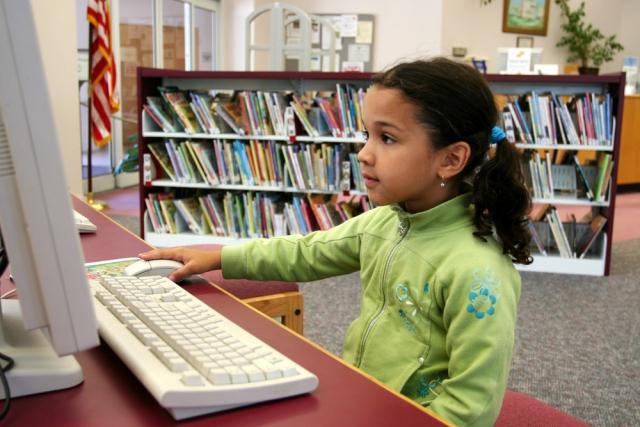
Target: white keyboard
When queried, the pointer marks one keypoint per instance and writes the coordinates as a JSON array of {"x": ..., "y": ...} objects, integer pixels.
[
  {"x": 190, "y": 358},
  {"x": 83, "y": 224}
]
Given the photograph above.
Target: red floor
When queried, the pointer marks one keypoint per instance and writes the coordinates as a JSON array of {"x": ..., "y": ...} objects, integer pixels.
[
  {"x": 626, "y": 225},
  {"x": 122, "y": 201}
]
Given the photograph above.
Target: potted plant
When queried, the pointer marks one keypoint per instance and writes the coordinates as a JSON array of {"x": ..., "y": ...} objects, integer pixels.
[{"x": 585, "y": 43}]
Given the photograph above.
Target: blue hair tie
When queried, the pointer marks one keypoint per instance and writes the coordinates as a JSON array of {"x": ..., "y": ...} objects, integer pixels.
[{"x": 497, "y": 135}]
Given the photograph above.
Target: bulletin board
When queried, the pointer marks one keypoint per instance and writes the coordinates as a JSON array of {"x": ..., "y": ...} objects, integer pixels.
[{"x": 354, "y": 44}]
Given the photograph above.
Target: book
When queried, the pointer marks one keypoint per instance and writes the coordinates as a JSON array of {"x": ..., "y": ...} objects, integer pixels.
[
  {"x": 158, "y": 108},
  {"x": 229, "y": 117},
  {"x": 301, "y": 114},
  {"x": 536, "y": 238},
  {"x": 189, "y": 209},
  {"x": 596, "y": 225},
  {"x": 583, "y": 178},
  {"x": 607, "y": 181},
  {"x": 203, "y": 153},
  {"x": 159, "y": 151},
  {"x": 603, "y": 166},
  {"x": 559, "y": 235},
  {"x": 177, "y": 100},
  {"x": 168, "y": 210},
  {"x": 156, "y": 119}
]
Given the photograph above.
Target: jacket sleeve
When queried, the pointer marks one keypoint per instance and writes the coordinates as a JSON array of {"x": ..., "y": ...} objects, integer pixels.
[
  {"x": 298, "y": 258},
  {"x": 479, "y": 314}
]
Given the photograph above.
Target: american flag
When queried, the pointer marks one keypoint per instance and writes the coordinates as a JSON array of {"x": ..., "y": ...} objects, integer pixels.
[{"x": 102, "y": 86}]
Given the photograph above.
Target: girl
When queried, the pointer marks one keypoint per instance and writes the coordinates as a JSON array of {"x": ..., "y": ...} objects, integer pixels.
[{"x": 439, "y": 290}]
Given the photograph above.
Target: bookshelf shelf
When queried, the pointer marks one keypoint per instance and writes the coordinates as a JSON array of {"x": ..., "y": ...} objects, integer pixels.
[
  {"x": 567, "y": 147},
  {"x": 609, "y": 87},
  {"x": 260, "y": 188},
  {"x": 572, "y": 201},
  {"x": 232, "y": 136},
  {"x": 556, "y": 264}
]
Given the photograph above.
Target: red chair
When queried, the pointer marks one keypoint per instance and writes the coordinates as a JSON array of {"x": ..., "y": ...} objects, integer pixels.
[
  {"x": 520, "y": 410},
  {"x": 273, "y": 298}
]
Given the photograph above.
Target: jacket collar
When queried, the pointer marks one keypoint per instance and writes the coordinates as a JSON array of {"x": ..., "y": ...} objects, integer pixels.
[{"x": 453, "y": 213}]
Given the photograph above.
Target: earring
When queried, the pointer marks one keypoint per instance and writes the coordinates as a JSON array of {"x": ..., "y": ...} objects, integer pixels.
[{"x": 442, "y": 181}]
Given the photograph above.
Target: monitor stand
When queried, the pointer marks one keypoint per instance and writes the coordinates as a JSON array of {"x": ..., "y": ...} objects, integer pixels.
[{"x": 37, "y": 368}]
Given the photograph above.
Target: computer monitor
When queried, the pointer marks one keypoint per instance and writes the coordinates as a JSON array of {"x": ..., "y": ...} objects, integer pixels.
[{"x": 55, "y": 314}]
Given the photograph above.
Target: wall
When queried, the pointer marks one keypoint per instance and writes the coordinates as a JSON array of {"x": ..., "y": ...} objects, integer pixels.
[
  {"x": 403, "y": 28},
  {"x": 232, "y": 16},
  {"x": 484, "y": 29},
  {"x": 629, "y": 32},
  {"x": 57, "y": 34},
  {"x": 406, "y": 28}
]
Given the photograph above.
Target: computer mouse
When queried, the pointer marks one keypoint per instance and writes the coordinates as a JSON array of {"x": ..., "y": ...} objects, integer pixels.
[{"x": 155, "y": 267}]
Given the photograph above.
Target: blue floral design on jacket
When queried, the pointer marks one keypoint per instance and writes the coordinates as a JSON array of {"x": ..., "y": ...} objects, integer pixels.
[
  {"x": 483, "y": 295},
  {"x": 427, "y": 386},
  {"x": 409, "y": 308}
]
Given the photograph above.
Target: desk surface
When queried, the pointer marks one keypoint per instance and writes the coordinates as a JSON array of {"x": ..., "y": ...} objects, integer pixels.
[{"x": 111, "y": 395}]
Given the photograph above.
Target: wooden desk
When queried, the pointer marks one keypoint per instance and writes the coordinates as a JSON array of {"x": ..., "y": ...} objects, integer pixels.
[
  {"x": 629, "y": 168},
  {"x": 112, "y": 396}
]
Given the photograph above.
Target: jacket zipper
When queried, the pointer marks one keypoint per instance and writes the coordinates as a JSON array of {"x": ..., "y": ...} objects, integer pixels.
[{"x": 378, "y": 315}]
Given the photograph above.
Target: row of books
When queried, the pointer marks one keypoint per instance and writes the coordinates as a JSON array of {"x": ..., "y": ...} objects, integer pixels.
[
  {"x": 585, "y": 119},
  {"x": 568, "y": 239},
  {"x": 267, "y": 163},
  {"x": 249, "y": 214},
  {"x": 547, "y": 180},
  {"x": 250, "y": 112}
]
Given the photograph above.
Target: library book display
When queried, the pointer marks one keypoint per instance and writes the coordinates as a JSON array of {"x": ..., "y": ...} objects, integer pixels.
[{"x": 229, "y": 156}]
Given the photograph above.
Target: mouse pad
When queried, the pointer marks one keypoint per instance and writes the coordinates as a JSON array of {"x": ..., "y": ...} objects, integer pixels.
[{"x": 112, "y": 267}]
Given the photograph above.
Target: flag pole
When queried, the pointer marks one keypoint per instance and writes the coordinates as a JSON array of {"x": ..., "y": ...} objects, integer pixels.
[{"x": 98, "y": 205}]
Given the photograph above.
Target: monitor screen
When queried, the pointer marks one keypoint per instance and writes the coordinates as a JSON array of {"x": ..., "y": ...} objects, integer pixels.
[{"x": 36, "y": 218}]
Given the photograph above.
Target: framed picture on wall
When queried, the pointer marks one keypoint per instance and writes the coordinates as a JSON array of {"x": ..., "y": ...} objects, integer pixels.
[
  {"x": 525, "y": 16},
  {"x": 524, "y": 41}
]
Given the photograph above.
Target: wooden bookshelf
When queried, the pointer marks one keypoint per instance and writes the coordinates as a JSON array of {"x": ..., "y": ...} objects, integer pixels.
[
  {"x": 613, "y": 84},
  {"x": 149, "y": 79}
]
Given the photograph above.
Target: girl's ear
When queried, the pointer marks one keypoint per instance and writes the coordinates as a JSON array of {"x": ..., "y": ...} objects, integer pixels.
[{"x": 454, "y": 159}]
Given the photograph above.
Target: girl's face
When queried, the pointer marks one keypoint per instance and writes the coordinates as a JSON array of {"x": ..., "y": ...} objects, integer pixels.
[{"x": 399, "y": 163}]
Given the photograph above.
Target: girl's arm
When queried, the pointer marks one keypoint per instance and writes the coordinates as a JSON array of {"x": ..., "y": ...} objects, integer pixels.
[
  {"x": 299, "y": 258},
  {"x": 290, "y": 258},
  {"x": 479, "y": 314}
]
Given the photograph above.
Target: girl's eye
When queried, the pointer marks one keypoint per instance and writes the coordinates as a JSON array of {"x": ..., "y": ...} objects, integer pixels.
[{"x": 386, "y": 139}]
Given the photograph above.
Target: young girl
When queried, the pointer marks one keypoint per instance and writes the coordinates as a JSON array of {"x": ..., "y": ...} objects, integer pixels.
[{"x": 439, "y": 290}]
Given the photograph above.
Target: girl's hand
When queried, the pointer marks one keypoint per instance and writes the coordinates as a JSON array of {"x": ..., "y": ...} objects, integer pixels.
[{"x": 195, "y": 261}]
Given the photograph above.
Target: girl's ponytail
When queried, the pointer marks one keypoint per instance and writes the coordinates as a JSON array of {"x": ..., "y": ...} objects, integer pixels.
[{"x": 502, "y": 201}]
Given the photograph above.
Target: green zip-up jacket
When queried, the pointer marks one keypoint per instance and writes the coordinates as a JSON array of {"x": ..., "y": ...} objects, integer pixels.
[{"x": 438, "y": 309}]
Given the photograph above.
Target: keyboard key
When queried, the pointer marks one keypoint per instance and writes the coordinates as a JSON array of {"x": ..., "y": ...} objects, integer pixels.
[
  {"x": 219, "y": 376},
  {"x": 192, "y": 378}
]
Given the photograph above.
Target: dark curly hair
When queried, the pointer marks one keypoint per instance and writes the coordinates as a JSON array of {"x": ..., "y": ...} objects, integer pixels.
[{"x": 455, "y": 104}]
